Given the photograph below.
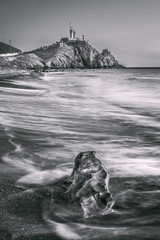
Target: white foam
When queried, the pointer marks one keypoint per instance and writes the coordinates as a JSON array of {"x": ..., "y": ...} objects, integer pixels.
[
  {"x": 137, "y": 161},
  {"x": 63, "y": 230},
  {"x": 8, "y": 54},
  {"x": 44, "y": 177},
  {"x": 20, "y": 90},
  {"x": 15, "y": 157},
  {"x": 21, "y": 163}
]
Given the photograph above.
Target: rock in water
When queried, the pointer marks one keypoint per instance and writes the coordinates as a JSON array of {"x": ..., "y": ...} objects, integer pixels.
[{"x": 89, "y": 185}]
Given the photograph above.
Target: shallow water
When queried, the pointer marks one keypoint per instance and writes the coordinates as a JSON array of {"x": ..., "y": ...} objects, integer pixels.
[{"x": 46, "y": 122}]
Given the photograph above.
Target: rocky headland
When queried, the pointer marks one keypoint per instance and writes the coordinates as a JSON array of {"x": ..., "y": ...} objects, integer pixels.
[{"x": 64, "y": 54}]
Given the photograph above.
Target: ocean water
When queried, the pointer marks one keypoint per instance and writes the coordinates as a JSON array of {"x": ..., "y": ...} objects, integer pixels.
[{"x": 45, "y": 122}]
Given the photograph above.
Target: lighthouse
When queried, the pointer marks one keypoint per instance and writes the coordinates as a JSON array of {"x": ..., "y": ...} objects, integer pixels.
[{"x": 72, "y": 33}]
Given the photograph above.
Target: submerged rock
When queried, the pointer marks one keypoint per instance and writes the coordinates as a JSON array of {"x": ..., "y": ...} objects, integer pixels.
[{"x": 89, "y": 185}]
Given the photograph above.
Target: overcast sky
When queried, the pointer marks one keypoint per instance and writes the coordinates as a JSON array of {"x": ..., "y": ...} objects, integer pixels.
[{"x": 130, "y": 29}]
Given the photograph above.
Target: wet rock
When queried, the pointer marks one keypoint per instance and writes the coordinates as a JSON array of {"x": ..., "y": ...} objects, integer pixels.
[{"x": 89, "y": 185}]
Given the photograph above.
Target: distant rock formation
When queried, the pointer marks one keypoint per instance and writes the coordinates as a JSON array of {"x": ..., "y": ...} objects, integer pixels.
[
  {"x": 21, "y": 61},
  {"x": 60, "y": 55},
  {"x": 6, "y": 48},
  {"x": 75, "y": 54},
  {"x": 105, "y": 60},
  {"x": 89, "y": 185}
]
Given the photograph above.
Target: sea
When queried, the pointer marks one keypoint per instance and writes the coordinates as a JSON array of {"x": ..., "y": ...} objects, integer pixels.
[{"x": 47, "y": 119}]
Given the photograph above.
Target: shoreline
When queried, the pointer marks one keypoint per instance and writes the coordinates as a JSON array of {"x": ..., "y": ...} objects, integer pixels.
[{"x": 7, "y": 73}]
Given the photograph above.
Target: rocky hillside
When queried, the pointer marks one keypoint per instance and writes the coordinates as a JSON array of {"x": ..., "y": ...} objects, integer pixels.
[
  {"x": 75, "y": 54},
  {"x": 6, "y": 48},
  {"x": 21, "y": 61},
  {"x": 61, "y": 55}
]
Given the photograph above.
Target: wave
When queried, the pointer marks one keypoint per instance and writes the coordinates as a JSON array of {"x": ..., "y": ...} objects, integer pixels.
[
  {"x": 44, "y": 177},
  {"x": 146, "y": 78},
  {"x": 20, "y": 91},
  {"x": 15, "y": 157}
]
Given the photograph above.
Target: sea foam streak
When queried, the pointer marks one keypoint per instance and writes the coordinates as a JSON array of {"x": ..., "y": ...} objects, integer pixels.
[
  {"x": 14, "y": 157},
  {"x": 35, "y": 176},
  {"x": 44, "y": 177}
]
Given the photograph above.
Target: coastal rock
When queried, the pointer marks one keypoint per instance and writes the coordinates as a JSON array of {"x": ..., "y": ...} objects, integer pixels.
[
  {"x": 89, "y": 185},
  {"x": 105, "y": 60}
]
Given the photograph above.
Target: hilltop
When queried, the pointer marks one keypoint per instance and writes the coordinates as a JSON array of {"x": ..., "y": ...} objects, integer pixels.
[{"x": 6, "y": 48}]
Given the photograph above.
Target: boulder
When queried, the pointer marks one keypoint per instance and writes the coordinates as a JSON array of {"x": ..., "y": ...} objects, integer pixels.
[{"x": 88, "y": 185}]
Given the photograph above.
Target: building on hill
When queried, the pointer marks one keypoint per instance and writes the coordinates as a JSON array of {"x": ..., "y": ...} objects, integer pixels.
[
  {"x": 72, "y": 35},
  {"x": 72, "y": 38},
  {"x": 61, "y": 43}
]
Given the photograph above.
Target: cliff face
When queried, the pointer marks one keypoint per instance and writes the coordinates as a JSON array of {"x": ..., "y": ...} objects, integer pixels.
[
  {"x": 65, "y": 57},
  {"x": 69, "y": 54},
  {"x": 87, "y": 53}
]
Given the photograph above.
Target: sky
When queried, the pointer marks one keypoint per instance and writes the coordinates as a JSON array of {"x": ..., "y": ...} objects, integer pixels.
[{"x": 130, "y": 29}]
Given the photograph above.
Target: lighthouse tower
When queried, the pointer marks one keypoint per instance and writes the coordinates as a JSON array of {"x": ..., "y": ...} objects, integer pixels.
[{"x": 72, "y": 33}]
